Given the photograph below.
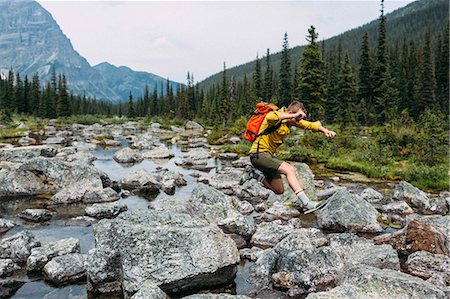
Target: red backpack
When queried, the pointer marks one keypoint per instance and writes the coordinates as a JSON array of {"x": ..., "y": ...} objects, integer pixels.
[{"x": 258, "y": 116}]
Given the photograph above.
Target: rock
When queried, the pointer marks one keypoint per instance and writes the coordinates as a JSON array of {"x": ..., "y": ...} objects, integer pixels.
[
  {"x": 326, "y": 193},
  {"x": 81, "y": 221},
  {"x": 228, "y": 156},
  {"x": 149, "y": 290},
  {"x": 36, "y": 215},
  {"x": 261, "y": 271},
  {"x": 301, "y": 239},
  {"x": 161, "y": 152},
  {"x": 238, "y": 240},
  {"x": 371, "y": 195},
  {"x": 346, "y": 212},
  {"x": 243, "y": 206},
  {"x": 21, "y": 154},
  {"x": 427, "y": 265},
  {"x": 416, "y": 236},
  {"x": 398, "y": 207},
  {"x": 441, "y": 223},
  {"x": 251, "y": 254},
  {"x": 419, "y": 200},
  {"x": 193, "y": 158},
  {"x": 146, "y": 142},
  {"x": 386, "y": 283},
  {"x": 104, "y": 273},
  {"x": 127, "y": 155},
  {"x": 22, "y": 126},
  {"x": 305, "y": 271},
  {"x": 83, "y": 146},
  {"x": 203, "y": 256},
  {"x": 9, "y": 286},
  {"x": 253, "y": 192},
  {"x": 105, "y": 210},
  {"x": 6, "y": 225},
  {"x": 18, "y": 247},
  {"x": 66, "y": 269},
  {"x": 241, "y": 162},
  {"x": 211, "y": 204},
  {"x": 192, "y": 125},
  {"x": 306, "y": 179},
  {"x": 106, "y": 195},
  {"x": 25, "y": 141},
  {"x": 280, "y": 211},
  {"x": 140, "y": 181},
  {"x": 7, "y": 267},
  {"x": 240, "y": 225},
  {"x": 359, "y": 251},
  {"x": 54, "y": 140},
  {"x": 268, "y": 234},
  {"x": 216, "y": 296},
  {"x": 41, "y": 255},
  {"x": 42, "y": 175}
]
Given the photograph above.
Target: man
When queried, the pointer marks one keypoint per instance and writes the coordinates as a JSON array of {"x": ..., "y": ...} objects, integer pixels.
[{"x": 265, "y": 145}]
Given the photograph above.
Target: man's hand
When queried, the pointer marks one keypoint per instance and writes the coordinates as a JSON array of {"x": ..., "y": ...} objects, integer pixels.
[{"x": 327, "y": 132}]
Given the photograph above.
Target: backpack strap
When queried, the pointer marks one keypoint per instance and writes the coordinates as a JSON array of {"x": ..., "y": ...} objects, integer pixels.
[{"x": 267, "y": 131}]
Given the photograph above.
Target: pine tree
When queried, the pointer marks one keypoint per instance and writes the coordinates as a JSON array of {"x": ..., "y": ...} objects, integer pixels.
[
  {"x": 387, "y": 97},
  {"x": 19, "y": 100},
  {"x": 63, "y": 106},
  {"x": 268, "y": 79},
  {"x": 312, "y": 82},
  {"x": 442, "y": 73},
  {"x": 427, "y": 80},
  {"x": 347, "y": 93},
  {"x": 131, "y": 112},
  {"x": 381, "y": 60},
  {"x": 257, "y": 81},
  {"x": 285, "y": 84},
  {"x": 26, "y": 94},
  {"x": 365, "y": 70},
  {"x": 224, "y": 107}
]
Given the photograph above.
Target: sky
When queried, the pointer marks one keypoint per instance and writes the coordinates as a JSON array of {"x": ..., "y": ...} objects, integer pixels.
[{"x": 171, "y": 38}]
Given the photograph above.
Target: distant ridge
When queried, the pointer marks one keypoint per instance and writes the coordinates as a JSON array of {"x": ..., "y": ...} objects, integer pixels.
[
  {"x": 31, "y": 41},
  {"x": 408, "y": 23}
]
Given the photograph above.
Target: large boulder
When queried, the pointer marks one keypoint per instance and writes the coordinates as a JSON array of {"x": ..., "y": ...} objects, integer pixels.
[
  {"x": 127, "y": 155},
  {"x": 104, "y": 271},
  {"x": 18, "y": 247},
  {"x": 6, "y": 225},
  {"x": 416, "y": 236},
  {"x": 348, "y": 212},
  {"x": 150, "y": 290},
  {"x": 371, "y": 195},
  {"x": 192, "y": 125},
  {"x": 359, "y": 251},
  {"x": 174, "y": 251},
  {"x": 240, "y": 225},
  {"x": 268, "y": 234},
  {"x": 41, "y": 255},
  {"x": 24, "y": 153},
  {"x": 419, "y": 200},
  {"x": 160, "y": 152},
  {"x": 42, "y": 175},
  {"x": 65, "y": 269},
  {"x": 386, "y": 283},
  {"x": 427, "y": 265},
  {"x": 36, "y": 215},
  {"x": 305, "y": 271}
]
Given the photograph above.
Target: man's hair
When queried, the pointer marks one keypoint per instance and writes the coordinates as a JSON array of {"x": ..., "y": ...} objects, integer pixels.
[{"x": 295, "y": 105}]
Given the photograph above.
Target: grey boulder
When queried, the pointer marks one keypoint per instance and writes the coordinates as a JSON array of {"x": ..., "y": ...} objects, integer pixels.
[
  {"x": 149, "y": 290},
  {"x": 347, "y": 212},
  {"x": 127, "y": 155},
  {"x": 41, "y": 255},
  {"x": 427, "y": 265},
  {"x": 65, "y": 269},
  {"x": 36, "y": 215},
  {"x": 105, "y": 210},
  {"x": 7, "y": 267},
  {"x": 18, "y": 247}
]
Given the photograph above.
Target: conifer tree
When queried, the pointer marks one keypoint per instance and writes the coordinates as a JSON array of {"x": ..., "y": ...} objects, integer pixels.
[
  {"x": 412, "y": 81},
  {"x": 63, "y": 106},
  {"x": 19, "y": 100},
  {"x": 427, "y": 80},
  {"x": 365, "y": 70},
  {"x": 257, "y": 81},
  {"x": 312, "y": 83},
  {"x": 442, "y": 73},
  {"x": 131, "y": 112},
  {"x": 285, "y": 76},
  {"x": 224, "y": 107},
  {"x": 268, "y": 79},
  {"x": 347, "y": 93},
  {"x": 381, "y": 60}
]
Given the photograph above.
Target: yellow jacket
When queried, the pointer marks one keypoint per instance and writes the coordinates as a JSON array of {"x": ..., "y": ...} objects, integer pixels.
[{"x": 270, "y": 142}]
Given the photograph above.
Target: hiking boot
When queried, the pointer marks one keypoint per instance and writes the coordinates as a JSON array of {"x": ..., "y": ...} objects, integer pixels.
[
  {"x": 248, "y": 174},
  {"x": 312, "y": 206}
]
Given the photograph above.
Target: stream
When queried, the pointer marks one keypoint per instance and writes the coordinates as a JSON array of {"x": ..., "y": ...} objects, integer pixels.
[{"x": 59, "y": 227}]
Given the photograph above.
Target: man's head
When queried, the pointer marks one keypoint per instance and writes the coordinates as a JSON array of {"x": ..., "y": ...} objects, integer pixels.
[{"x": 294, "y": 107}]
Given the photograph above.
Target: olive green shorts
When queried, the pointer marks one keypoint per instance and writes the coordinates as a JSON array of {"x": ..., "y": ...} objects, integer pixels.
[{"x": 267, "y": 164}]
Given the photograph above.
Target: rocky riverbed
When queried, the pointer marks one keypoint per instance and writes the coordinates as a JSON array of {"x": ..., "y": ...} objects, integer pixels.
[{"x": 135, "y": 211}]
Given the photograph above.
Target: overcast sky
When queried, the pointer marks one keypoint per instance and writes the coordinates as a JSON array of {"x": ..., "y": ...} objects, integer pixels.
[{"x": 171, "y": 38}]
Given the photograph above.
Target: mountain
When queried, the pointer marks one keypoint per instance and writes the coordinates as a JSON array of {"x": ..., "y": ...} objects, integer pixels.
[
  {"x": 122, "y": 80},
  {"x": 31, "y": 41},
  {"x": 409, "y": 23}
]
